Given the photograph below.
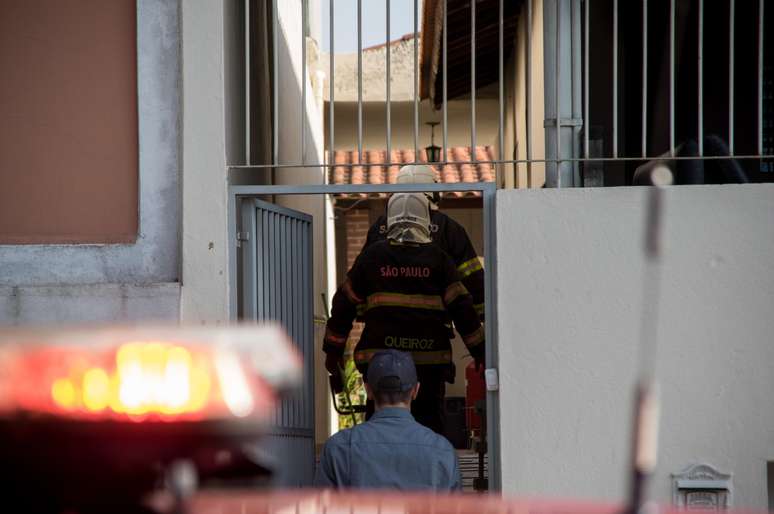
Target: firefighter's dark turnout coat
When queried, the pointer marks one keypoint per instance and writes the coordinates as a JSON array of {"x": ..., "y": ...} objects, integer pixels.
[
  {"x": 452, "y": 238},
  {"x": 405, "y": 294}
]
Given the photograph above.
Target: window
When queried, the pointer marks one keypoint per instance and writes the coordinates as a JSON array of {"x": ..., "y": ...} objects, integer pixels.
[{"x": 68, "y": 136}]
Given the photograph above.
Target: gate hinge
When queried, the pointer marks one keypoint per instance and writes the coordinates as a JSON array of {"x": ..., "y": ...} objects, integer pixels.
[{"x": 242, "y": 236}]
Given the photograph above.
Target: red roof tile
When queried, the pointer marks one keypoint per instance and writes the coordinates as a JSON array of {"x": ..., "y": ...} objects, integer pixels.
[{"x": 371, "y": 170}]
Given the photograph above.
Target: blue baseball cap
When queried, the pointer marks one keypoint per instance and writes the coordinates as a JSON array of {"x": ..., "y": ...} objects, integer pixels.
[{"x": 391, "y": 371}]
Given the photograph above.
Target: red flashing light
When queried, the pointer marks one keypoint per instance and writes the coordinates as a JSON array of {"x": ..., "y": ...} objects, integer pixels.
[{"x": 139, "y": 379}]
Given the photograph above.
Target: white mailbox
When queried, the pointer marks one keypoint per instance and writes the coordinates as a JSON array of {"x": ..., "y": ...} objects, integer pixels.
[{"x": 701, "y": 486}]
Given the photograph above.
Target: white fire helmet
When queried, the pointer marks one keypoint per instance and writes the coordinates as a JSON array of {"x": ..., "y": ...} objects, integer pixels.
[
  {"x": 408, "y": 218},
  {"x": 420, "y": 174}
]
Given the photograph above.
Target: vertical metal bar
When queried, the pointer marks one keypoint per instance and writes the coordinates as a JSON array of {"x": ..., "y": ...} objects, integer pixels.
[
  {"x": 586, "y": 120},
  {"x": 558, "y": 112},
  {"x": 576, "y": 89},
  {"x": 248, "y": 30},
  {"x": 388, "y": 79},
  {"x": 528, "y": 93},
  {"x": 445, "y": 80},
  {"x": 290, "y": 298},
  {"x": 297, "y": 305},
  {"x": 288, "y": 292},
  {"x": 278, "y": 289},
  {"x": 615, "y": 78},
  {"x": 331, "y": 82},
  {"x": 257, "y": 259},
  {"x": 645, "y": 77},
  {"x": 700, "y": 71},
  {"x": 265, "y": 259},
  {"x": 270, "y": 279},
  {"x": 307, "y": 321},
  {"x": 309, "y": 325},
  {"x": 275, "y": 81},
  {"x": 731, "y": 38},
  {"x": 291, "y": 288},
  {"x": 672, "y": 78},
  {"x": 301, "y": 291},
  {"x": 304, "y": 317},
  {"x": 501, "y": 124},
  {"x": 473, "y": 80},
  {"x": 492, "y": 358},
  {"x": 247, "y": 215},
  {"x": 416, "y": 81},
  {"x": 760, "y": 77},
  {"x": 308, "y": 316},
  {"x": 303, "y": 81},
  {"x": 359, "y": 81}
]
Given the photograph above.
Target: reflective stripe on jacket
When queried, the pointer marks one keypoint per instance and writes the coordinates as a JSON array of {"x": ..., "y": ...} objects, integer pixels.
[
  {"x": 452, "y": 238},
  {"x": 407, "y": 294}
]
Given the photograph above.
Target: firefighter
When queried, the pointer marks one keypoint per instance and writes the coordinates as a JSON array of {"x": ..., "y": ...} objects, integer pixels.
[
  {"x": 407, "y": 288},
  {"x": 445, "y": 232}
]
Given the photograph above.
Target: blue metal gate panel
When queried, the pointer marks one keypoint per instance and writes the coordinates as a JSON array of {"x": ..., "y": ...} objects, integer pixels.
[{"x": 277, "y": 286}]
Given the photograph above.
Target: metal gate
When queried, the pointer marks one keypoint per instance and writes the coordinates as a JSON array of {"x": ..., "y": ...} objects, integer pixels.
[{"x": 276, "y": 252}]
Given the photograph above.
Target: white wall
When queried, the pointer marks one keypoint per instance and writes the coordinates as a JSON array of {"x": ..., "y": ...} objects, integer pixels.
[
  {"x": 205, "y": 280},
  {"x": 118, "y": 282},
  {"x": 570, "y": 270},
  {"x": 374, "y": 73}
]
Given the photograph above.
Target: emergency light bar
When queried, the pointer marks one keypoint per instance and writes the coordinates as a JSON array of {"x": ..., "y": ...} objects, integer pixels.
[{"x": 152, "y": 373}]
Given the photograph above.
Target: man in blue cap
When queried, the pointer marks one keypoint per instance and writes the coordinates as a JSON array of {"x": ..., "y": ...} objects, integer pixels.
[{"x": 390, "y": 450}]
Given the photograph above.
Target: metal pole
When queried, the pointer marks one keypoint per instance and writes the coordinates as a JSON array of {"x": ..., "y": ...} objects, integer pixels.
[
  {"x": 528, "y": 92},
  {"x": 275, "y": 81},
  {"x": 576, "y": 83},
  {"x": 760, "y": 77},
  {"x": 387, "y": 158},
  {"x": 360, "y": 81},
  {"x": 731, "y": 38},
  {"x": 615, "y": 78},
  {"x": 558, "y": 112},
  {"x": 646, "y": 408},
  {"x": 473, "y": 80},
  {"x": 645, "y": 78},
  {"x": 445, "y": 79},
  {"x": 248, "y": 160},
  {"x": 672, "y": 78},
  {"x": 303, "y": 81},
  {"x": 501, "y": 124},
  {"x": 331, "y": 81},
  {"x": 416, "y": 82},
  {"x": 700, "y": 92},
  {"x": 586, "y": 121}
]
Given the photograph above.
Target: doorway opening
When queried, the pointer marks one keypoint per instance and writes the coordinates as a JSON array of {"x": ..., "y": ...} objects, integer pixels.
[{"x": 286, "y": 269}]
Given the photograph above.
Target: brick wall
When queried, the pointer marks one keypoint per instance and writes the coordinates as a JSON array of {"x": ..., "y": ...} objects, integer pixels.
[{"x": 356, "y": 224}]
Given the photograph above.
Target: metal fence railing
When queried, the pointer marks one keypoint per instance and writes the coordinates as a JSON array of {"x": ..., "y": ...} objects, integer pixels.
[{"x": 573, "y": 68}]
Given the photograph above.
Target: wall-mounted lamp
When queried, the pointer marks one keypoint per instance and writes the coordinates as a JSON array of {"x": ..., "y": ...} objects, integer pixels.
[{"x": 433, "y": 151}]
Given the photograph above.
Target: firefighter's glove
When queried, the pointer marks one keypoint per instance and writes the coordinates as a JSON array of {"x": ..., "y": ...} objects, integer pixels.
[{"x": 333, "y": 365}]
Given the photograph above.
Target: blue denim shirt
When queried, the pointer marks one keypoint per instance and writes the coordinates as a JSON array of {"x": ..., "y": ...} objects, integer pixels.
[{"x": 391, "y": 450}]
